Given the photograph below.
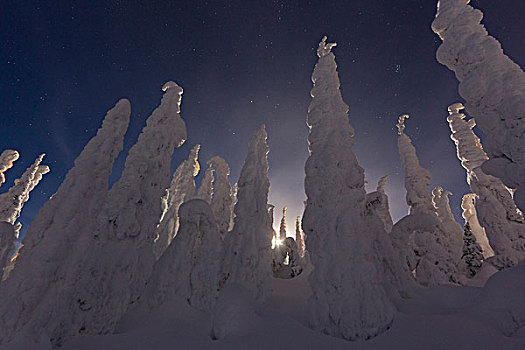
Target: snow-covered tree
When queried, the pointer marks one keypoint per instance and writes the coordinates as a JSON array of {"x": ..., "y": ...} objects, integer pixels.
[
  {"x": 248, "y": 246},
  {"x": 124, "y": 258},
  {"x": 282, "y": 227},
  {"x": 235, "y": 189},
  {"x": 453, "y": 230},
  {"x": 341, "y": 237},
  {"x": 182, "y": 188},
  {"x": 417, "y": 178},
  {"x": 493, "y": 87},
  {"x": 64, "y": 219},
  {"x": 189, "y": 267},
  {"x": 222, "y": 200},
  {"x": 378, "y": 202},
  {"x": 471, "y": 218},
  {"x": 435, "y": 252},
  {"x": 497, "y": 213},
  {"x": 299, "y": 237},
  {"x": 12, "y": 201},
  {"x": 472, "y": 253},
  {"x": 206, "y": 188},
  {"x": 6, "y": 161}
]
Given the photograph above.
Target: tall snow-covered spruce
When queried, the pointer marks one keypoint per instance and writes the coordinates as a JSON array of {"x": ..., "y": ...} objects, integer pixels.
[
  {"x": 497, "y": 213},
  {"x": 492, "y": 85},
  {"x": 248, "y": 258},
  {"x": 223, "y": 199},
  {"x": 349, "y": 299},
  {"x": 378, "y": 202},
  {"x": 65, "y": 218},
  {"x": 421, "y": 238}
]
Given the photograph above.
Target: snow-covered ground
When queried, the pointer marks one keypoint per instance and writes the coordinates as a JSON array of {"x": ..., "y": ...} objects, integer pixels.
[{"x": 446, "y": 317}]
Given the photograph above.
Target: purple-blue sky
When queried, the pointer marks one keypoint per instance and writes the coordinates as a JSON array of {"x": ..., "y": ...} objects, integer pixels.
[{"x": 63, "y": 64}]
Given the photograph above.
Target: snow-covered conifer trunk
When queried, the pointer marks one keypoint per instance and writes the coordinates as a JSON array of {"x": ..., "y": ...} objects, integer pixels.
[
  {"x": 7, "y": 158},
  {"x": 222, "y": 200},
  {"x": 206, "y": 188},
  {"x": 471, "y": 217},
  {"x": 12, "y": 201},
  {"x": 378, "y": 202},
  {"x": 496, "y": 210},
  {"x": 248, "y": 258},
  {"x": 348, "y": 299},
  {"x": 67, "y": 216},
  {"x": 493, "y": 86},
  {"x": 124, "y": 258},
  {"x": 189, "y": 268},
  {"x": 182, "y": 188}
]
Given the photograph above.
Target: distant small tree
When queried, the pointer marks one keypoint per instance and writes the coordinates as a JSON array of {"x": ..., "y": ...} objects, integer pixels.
[{"x": 472, "y": 252}]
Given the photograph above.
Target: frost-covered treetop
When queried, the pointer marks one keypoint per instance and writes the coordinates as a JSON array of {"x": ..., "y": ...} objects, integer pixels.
[
  {"x": 6, "y": 161},
  {"x": 324, "y": 48},
  {"x": 171, "y": 84},
  {"x": 401, "y": 123}
]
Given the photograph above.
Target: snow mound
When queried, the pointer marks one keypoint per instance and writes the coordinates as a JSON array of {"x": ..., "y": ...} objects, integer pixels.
[{"x": 235, "y": 313}]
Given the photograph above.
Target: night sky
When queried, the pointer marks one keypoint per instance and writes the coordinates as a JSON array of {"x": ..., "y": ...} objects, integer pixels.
[{"x": 63, "y": 64}]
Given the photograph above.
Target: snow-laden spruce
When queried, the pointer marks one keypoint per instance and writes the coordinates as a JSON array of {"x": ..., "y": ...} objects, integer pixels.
[
  {"x": 471, "y": 217},
  {"x": 181, "y": 189},
  {"x": 247, "y": 247},
  {"x": 472, "y": 253},
  {"x": 346, "y": 245},
  {"x": 299, "y": 237},
  {"x": 497, "y": 213},
  {"x": 282, "y": 226},
  {"x": 423, "y": 241},
  {"x": 417, "y": 178},
  {"x": 69, "y": 214},
  {"x": 453, "y": 230},
  {"x": 378, "y": 202},
  {"x": 122, "y": 264},
  {"x": 12, "y": 201},
  {"x": 189, "y": 267},
  {"x": 492, "y": 85},
  {"x": 7, "y": 158},
  {"x": 206, "y": 188},
  {"x": 223, "y": 199}
]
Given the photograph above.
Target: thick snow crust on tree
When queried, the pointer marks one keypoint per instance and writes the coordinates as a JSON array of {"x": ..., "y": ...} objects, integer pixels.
[
  {"x": 471, "y": 218},
  {"x": 223, "y": 199},
  {"x": 492, "y": 85},
  {"x": 282, "y": 226},
  {"x": 181, "y": 189},
  {"x": 12, "y": 201},
  {"x": 189, "y": 267},
  {"x": 206, "y": 188},
  {"x": 299, "y": 237},
  {"x": 67, "y": 216},
  {"x": 248, "y": 258},
  {"x": 7, "y": 158},
  {"x": 378, "y": 202},
  {"x": 472, "y": 253},
  {"x": 495, "y": 207},
  {"x": 417, "y": 178},
  {"x": 7, "y": 244},
  {"x": 349, "y": 298}
]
